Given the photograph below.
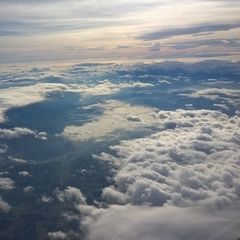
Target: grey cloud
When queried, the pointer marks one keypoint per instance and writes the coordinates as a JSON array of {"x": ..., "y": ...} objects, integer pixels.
[
  {"x": 6, "y": 183},
  {"x": 167, "y": 33},
  {"x": 209, "y": 42},
  {"x": 155, "y": 47},
  {"x": 34, "y": 17},
  {"x": 57, "y": 235},
  {"x": 4, "y": 206},
  {"x": 135, "y": 223}
]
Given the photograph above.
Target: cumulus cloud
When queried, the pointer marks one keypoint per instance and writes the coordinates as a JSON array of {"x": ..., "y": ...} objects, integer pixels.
[
  {"x": 46, "y": 199},
  {"x": 18, "y": 132},
  {"x": 60, "y": 235},
  {"x": 71, "y": 194},
  {"x": 189, "y": 160},
  {"x": 57, "y": 235},
  {"x": 4, "y": 206},
  {"x": 182, "y": 182},
  {"x": 6, "y": 183},
  {"x": 28, "y": 189}
]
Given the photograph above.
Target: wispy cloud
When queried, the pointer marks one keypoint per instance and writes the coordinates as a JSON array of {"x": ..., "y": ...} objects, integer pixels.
[
  {"x": 207, "y": 28},
  {"x": 63, "y": 30}
]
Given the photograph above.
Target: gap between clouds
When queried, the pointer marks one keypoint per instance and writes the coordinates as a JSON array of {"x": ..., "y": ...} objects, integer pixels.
[{"x": 23, "y": 96}]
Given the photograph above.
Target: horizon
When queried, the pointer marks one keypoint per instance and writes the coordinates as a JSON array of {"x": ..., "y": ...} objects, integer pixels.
[{"x": 39, "y": 31}]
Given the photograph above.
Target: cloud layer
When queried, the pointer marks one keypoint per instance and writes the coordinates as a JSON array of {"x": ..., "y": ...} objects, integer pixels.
[
  {"x": 182, "y": 182},
  {"x": 80, "y": 30},
  {"x": 188, "y": 160},
  {"x": 26, "y": 95}
]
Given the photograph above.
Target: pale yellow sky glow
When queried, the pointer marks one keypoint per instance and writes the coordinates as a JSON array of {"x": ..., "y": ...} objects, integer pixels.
[{"x": 113, "y": 30}]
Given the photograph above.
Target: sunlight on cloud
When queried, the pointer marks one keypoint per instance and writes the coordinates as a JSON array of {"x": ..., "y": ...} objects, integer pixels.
[{"x": 116, "y": 116}]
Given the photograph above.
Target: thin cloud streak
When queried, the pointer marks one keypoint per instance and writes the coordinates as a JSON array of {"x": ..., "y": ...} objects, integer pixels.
[{"x": 207, "y": 28}]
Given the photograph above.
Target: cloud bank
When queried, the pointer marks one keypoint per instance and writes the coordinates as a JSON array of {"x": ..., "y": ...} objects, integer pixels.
[
  {"x": 182, "y": 182},
  {"x": 26, "y": 95},
  {"x": 188, "y": 161}
]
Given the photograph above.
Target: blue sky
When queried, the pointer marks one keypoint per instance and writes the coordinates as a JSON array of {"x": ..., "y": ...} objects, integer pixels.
[{"x": 62, "y": 30}]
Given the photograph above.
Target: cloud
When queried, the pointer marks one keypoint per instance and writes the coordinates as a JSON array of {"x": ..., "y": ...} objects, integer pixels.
[
  {"x": 60, "y": 235},
  {"x": 226, "y": 96},
  {"x": 28, "y": 189},
  {"x": 140, "y": 223},
  {"x": 46, "y": 199},
  {"x": 232, "y": 43},
  {"x": 71, "y": 194},
  {"x": 186, "y": 161},
  {"x": 3, "y": 149},
  {"x": 17, "y": 160},
  {"x": 106, "y": 87},
  {"x": 116, "y": 116},
  {"x": 215, "y": 93},
  {"x": 26, "y": 95},
  {"x": 18, "y": 132},
  {"x": 4, "y": 206},
  {"x": 24, "y": 174},
  {"x": 182, "y": 182},
  {"x": 64, "y": 30},
  {"x": 57, "y": 235},
  {"x": 196, "y": 29},
  {"x": 155, "y": 47},
  {"x": 6, "y": 183}
]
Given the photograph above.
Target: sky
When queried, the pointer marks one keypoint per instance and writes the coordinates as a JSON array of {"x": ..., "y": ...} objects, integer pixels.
[{"x": 125, "y": 30}]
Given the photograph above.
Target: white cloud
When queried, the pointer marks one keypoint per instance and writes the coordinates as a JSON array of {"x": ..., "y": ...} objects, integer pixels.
[
  {"x": 141, "y": 223},
  {"x": 17, "y": 160},
  {"x": 24, "y": 174},
  {"x": 182, "y": 182},
  {"x": 4, "y": 206},
  {"x": 3, "y": 148},
  {"x": 71, "y": 194},
  {"x": 57, "y": 235},
  {"x": 23, "y": 96},
  {"x": 28, "y": 189},
  {"x": 116, "y": 116},
  {"x": 215, "y": 93},
  {"x": 106, "y": 87},
  {"x": 193, "y": 158},
  {"x": 4, "y": 173},
  {"x": 18, "y": 132},
  {"x": 6, "y": 183},
  {"x": 46, "y": 199}
]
